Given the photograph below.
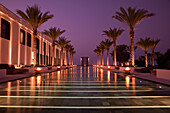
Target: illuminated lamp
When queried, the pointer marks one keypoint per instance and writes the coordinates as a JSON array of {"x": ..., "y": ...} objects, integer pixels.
[
  {"x": 127, "y": 70},
  {"x": 38, "y": 70},
  {"x": 108, "y": 67}
]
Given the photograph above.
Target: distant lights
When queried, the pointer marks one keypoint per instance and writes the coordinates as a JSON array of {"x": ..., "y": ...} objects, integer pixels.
[
  {"x": 108, "y": 67},
  {"x": 160, "y": 86}
]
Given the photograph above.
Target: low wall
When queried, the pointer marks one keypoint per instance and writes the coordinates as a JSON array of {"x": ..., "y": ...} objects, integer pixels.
[
  {"x": 163, "y": 73},
  {"x": 3, "y": 72}
]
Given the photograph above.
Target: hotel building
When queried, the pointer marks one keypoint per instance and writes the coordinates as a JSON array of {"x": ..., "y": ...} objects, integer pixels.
[{"x": 16, "y": 42}]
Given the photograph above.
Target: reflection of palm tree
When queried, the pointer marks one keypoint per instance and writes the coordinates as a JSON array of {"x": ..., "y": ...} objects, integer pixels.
[
  {"x": 53, "y": 33},
  {"x": 153, "y": 45},
  {"x": 62, "y": 42},
  {"x": 114, "y": 34},
  {"x": 35, "y": 18},
  {"x": 131, "y": 18},
  {"x": 67, "y": 48},
  {"x": 97, "y": 51},
  {"x": 144, "y": 44},
  {"x": 102, "y": 49},
  {"x": 107, "y": 43}
]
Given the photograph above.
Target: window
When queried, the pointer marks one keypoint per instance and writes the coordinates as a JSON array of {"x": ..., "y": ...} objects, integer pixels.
[
  {"x": 5, "y": 29},
  {"x": 29, "y": 39},
  {"x": 22, "y": 37}
]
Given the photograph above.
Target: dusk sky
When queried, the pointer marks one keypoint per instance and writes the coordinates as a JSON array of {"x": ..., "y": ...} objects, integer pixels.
[{"x": 84, "y": 21}]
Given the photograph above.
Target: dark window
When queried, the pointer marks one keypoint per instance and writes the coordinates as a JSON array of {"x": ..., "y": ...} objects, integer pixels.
[
  {"x": 29, "y": 39},
  {"x": 22, "y": 37},
  {"x": 5, "y": 29}
]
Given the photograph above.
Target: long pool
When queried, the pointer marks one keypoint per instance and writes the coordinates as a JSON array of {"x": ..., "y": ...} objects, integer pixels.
[{"x": 84, "y": 90}]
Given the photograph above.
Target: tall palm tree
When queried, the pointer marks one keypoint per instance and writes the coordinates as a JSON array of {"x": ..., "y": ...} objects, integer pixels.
[
  {"x": 153, "y": 45},
  {"x": 62, "y": 42},
  {"x": 99, "y": 60},
  {"x": 114, "y": 34},
  {"x": 35, "y": 18},
  {"x": 72, "y": 54},
  {"x": 102, "y": 49},
  {"x": 67, "y": 48},
  {"x": 131, "y": 18},
  {"x": 97, "y": 51},
  {"x": 53, "y": 33},
  {"x": 70, "y": 51},
  {"x": 145, "y": 45},
  {"x": 107, "y": 43}
]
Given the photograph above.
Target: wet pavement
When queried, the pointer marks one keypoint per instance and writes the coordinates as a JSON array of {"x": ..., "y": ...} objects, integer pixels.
[{"x": 84, "y": 90}]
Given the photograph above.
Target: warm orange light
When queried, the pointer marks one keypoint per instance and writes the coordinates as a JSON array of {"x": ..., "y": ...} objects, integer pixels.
[
  {"x": 127, "y": 78},
  {"x": 108, "y": 76},
  {"x": 58, "y": 67},
  {"x": 127, "y": 69},
  {"x": 38, "y": 69},
  {"x": 101, "y": 66},
  {"x": 38, "y": 81},
  {"x": 108, "y": 67}
]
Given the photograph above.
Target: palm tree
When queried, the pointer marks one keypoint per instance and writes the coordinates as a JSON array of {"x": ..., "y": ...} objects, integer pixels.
[
  {"x": 114, "y": 34},
  {"x": 153, "y": 45},
  {"x": 131, "y": 18},
  {"x": 107, "y": 43},
  {"x": 145, "y": 45},
  {"x": 62, "y": 42},
  {"x": 53, "y": 33},
  {"x": 72, "y": 54},
  {"x": 35, "y": 18},
  {"x": 70, "y": 51},
  {"x": 67, "y": 48},
  {"x": 102, "y": 49},
  {"x": 99, "y": 60},
  {"x": 97, "y": 51}
]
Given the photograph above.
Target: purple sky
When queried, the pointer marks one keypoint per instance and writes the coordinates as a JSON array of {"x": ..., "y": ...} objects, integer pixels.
[{"x": 84, "y": 21}]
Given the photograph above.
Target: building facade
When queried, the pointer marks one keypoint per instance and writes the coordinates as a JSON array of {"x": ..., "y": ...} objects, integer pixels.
[{"x": 16, "y": 42}]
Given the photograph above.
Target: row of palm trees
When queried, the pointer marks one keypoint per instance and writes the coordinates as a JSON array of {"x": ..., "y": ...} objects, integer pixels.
[
  {"x": 36, "y": 18},
  {"x": 145, "y": 44},
  {"x": 130, "y": 18}
]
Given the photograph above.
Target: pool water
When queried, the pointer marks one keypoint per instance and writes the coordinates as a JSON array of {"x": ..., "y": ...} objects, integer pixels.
[{"x": 84, "y": 90}]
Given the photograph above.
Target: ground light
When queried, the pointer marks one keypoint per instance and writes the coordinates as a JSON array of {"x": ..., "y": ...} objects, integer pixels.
[
  {"x": 38, "y": 70},
  {"x": 127, "y": 70}
]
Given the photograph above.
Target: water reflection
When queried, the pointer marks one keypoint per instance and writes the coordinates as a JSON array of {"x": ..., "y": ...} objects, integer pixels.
[
  {"x": 108, "y": 76},
  {"x": 127, "y": 80}
]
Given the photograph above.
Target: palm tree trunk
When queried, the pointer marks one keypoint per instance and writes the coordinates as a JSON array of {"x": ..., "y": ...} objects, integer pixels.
[
  {"x": 146, "y": 59},
  {"x": 66, "y": 58},
  {"x": 99, "y": 59},
  {"x": 132, "y": 47},
  {"x": 153, "y": 54},
  {"x": 102, "y": 58},
  {"x": 53, "y": 55},
  {"x": 108, "y": 57},
  {"x": 61, "y": 58},
  {"x": 114, "y": 46},
  {"x": 35, "y": 47},
  {"x": 70, "y": 60}
]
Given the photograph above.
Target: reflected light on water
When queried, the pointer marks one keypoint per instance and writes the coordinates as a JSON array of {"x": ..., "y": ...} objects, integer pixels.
[
  {"x": 108, "y": 76},
  {"x": 58, "y": 76},
  {"x": 38, "y": 81},
  {"x": 133, "y": 85},
  {"x": 101, "y": 71},
  {"x": 127, "y": 80}
]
